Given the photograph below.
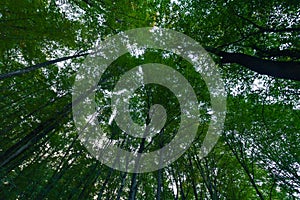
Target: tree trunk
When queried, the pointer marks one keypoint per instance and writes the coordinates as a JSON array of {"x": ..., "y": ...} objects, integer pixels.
[
  {"x": 279, "y": 69},
  {"x": 247, "y": 171},
  {"x": 193, "y": 178},
  {"x": 33, "y": 137},
  {"x": 159, "y": 173},
  {"x": 122, "y": 186},
  {"x": 100, "y": 193},
  {"x": 38, "y": 66}
]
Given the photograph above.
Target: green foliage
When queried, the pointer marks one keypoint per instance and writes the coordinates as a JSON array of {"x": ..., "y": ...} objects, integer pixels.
[{"x": 257, "y": 156}]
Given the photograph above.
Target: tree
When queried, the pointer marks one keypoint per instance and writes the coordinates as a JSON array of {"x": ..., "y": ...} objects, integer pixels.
[{"x": 256, "y": 47}]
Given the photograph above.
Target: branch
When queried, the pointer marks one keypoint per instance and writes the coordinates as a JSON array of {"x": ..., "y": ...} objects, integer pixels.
[
  {"x": 276, "y": 52},
  {"x": 279, "y": 69},
  {"x": 280, "y": 30}
]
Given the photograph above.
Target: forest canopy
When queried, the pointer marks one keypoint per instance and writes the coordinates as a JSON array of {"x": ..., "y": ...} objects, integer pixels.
[{"x": 255, "y": 46}]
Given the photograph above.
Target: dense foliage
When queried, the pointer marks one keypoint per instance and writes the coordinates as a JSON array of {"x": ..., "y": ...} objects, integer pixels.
[{"x": 43, "y": 44}]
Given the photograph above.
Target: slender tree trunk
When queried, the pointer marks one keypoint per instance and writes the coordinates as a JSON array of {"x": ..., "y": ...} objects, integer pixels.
[
  {"x": 85, "y": 181},
  {"x": 159, "y": 184},
  {"x": 21, "y": 98},
  {"x": 247, "y": 171},
  {"x": 206, "y": 178},
  {"x": 176, "y": 183},
  {"x": 60, "y": 171},
  {"x": 9, "y": 128},
  {"x": 133, "y": 187},
  {"x": 33, "y": 137},
  {"x": 111, "y": 171},
  {"x": 88, "y": 184},
  {"x": 122, "y": 186},
  {"x": 181, "y": 189},
  {"x": 100, "y": 193},
  {"x": 159, "y": 172},
  {"x": 38, "y": 66},
  {"x": 193, "y": 179},
  {"x": 41, "y": 131},
  {"x": 39, "y": 157}
]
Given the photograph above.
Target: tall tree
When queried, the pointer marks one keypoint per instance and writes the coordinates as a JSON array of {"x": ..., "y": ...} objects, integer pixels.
[{"x": 256, "y": 47}]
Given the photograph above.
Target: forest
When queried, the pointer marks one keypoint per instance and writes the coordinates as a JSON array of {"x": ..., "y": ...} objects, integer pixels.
[{"x": 240, "y": 105}]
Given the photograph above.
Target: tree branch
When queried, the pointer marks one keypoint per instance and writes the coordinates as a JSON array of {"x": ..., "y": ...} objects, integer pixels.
[{"x": 279, "y": 69}]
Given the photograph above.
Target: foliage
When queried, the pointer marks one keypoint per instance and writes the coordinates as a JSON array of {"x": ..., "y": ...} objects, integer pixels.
[{"x": 41, "y": 157}]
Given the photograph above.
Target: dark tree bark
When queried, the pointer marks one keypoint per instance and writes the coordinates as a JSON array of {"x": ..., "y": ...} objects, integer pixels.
[
  {"x": 204, "y": 172},
  {"x": 11, "y": 126},
  {"x": 100, "y": 193},
  {"x": 34, "y": 136},
  {"x": 87, "y": 186},
  {"x": 160, "y": 172},
  {"x": 171, "y": 171},
  {"x": 246, "y": 169},
  {"x": 84, "y": 182},
  {"x": 193, "y": 179},
  {"x": 279, "y": 69},
  {"x": 134, "y": 183},
  {"x": 181, "y": 188},
  {"x": 62, "y": 168},
  {"x": 122, "y": 185},
  {"x": 41, "y": 131},
  {"x": 38, "y": 66},
  {"x": 159, "y": 184}
]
